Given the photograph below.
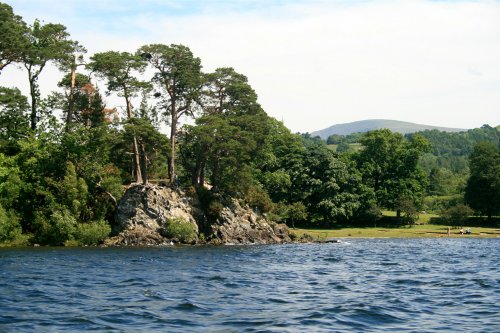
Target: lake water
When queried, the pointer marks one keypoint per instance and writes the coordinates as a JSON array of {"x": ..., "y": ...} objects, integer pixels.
[{"x": 361, "y": 285}]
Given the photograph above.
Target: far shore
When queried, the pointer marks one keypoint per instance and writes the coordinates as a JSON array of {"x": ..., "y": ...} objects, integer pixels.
[{"x": 417, "y": 231}]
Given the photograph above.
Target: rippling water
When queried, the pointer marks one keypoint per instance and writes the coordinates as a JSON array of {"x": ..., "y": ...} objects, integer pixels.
[{"x": 364, "y": 285}]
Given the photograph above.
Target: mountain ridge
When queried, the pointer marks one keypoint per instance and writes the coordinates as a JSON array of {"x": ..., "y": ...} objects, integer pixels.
[{"x": 402, "y": 127}]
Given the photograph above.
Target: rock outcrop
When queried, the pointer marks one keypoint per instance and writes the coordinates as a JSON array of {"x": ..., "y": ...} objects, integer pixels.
[
  {"x": 145, "y": 213},
  {"x": 241, "y": 225}
]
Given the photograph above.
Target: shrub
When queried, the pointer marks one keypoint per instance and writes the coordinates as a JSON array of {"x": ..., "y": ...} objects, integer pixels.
[
  {"x": 92, "y": 233},
  {"x": 214, "y": 210},
  {"x": 457, "y": 215},
  {"x": 257, "y": 198},
  {"x": 441, "y": 203},
  {"x": 10, "y": 228},
  {"x": 56, "y": 229},
  {"x": 179, "y": 229},
  {"x": 408, "y": 210}
]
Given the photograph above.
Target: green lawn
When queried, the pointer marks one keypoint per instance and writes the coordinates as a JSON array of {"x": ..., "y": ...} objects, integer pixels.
[
  {"x": 420, "y": 230},
  {"x": 417, "y": 231}
]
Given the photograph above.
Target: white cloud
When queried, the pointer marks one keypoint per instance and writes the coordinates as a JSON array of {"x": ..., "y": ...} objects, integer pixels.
[{"x": 316, "y": 65}]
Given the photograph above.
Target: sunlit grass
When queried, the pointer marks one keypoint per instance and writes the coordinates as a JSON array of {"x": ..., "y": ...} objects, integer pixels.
[{"x": 420, "y": 230}]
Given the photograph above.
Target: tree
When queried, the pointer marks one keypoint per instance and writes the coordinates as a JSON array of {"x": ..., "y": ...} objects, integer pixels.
[
  {"x": 335, "y": 139},
  {"x": 457, "y": 215},
  {"x": 47, "y": 43},
  {"x": 229, "y": 136},
  {"x": 331, "y": 191},
  {"x": 389, "y": 164},
  {"x": 87, "y": 106},
  {"x": 13, "y": 36},
  {"x": 119, "y": 69},
  {"x": 482, "y": 192},
  {"x": 178, "y": 76},
  {"x": 150, "y": 142},
  {"x": 14, "y": 123},
  {"x": 220, "y": 149}
]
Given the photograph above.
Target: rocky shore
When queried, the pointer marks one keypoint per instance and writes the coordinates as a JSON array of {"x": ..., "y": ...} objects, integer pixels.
[{"x": 160, "y": 215}]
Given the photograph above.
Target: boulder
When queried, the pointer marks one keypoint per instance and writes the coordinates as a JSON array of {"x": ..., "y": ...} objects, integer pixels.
[
  {"x": 241, "y": 225},
  {"x": 144, "y": 211}
]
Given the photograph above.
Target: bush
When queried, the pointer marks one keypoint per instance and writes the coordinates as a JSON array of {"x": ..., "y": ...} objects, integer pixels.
[
  {"x": 457, "y": 215},
  {"x": 210, "y": 203},
  {"x": 92, "y": 233},
  {"x": 214, "y": 210},
  {"x": 180, "y": 229},
  {"x": 369, "y": 214},
  {"x": 10, "y": 228},
  {"x": 56, "y": 229},
  {"x": 440, "y": 203},
  {"x": 408, "y": 210},
  {"x": 257, "y": 198}
]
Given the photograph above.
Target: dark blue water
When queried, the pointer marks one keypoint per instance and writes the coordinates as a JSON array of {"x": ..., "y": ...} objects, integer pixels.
[{"x": 366, "y": 285}]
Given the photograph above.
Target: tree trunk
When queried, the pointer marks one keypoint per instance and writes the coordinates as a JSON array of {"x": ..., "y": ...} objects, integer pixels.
[
  {"x": 33, "y": 119},
  {"x": 202, "y": 173},
  {"x": 195, "y": 175},
  {"x": 71, "y": 100},
  {"x": 173, "y": 134},
  {"x": 137, "y": 162},
  {"x": 398, "y": 213},
  {"x": 144, "y": 164}
]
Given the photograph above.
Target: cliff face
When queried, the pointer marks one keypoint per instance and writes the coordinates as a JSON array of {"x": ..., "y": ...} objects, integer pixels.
[{"x": 145, "y": 211}]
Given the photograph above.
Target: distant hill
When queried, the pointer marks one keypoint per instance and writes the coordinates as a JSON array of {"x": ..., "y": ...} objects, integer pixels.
[{"x": 402, "y": 127}]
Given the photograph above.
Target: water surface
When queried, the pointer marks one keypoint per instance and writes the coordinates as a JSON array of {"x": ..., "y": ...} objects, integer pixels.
[{"x": 361, "y": 285}]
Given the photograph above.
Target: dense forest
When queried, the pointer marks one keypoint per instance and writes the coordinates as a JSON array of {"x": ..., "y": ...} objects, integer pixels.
[{"x": 66, "y": 158}]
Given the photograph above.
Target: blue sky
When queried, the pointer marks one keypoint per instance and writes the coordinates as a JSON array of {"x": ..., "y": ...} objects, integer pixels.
[{"x": 314, "y": 63}]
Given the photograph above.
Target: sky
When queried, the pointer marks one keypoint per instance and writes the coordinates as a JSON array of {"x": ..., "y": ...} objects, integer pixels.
[{"x": 312, "y": 63}]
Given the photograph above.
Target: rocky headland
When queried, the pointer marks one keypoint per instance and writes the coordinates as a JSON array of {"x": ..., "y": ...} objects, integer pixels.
[{"x": 161, "y": 215}]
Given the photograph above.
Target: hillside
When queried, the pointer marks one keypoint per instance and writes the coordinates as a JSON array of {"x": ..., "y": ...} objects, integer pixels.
[{"x": 374, "y": 124}]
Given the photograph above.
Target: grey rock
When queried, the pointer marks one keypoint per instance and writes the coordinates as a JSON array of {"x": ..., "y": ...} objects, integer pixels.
[{"x": 143, "y": 212}]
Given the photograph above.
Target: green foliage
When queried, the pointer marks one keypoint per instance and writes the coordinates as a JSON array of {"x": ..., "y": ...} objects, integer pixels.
[
  {"x": 74, "y": 191},
  {"x": 118, "y": 68},
  {"x": 55, "y": 228},
  {"x": 13, "y": 119},
  {"x": 257, "y": 198},
  {"x": 291, "y": 214},
  {"x": 10, "y": 228},
  {"x": 61, "y": 228},
  {"x": 47, "y": 43},
  {"x": 179, "y": 229},
  {"x": 443, "y": 181},
  {"x": 369, "y": 213},
  {"x": 210, "y": 203},
  {"x": 457, "y": 215},
  {"x": 331, "y": 190},
  {"x": 151, "y": 144},
  {"x": 13, "y": 38},
  {"x": 409, "y": 212},
  {"x": 214, "y": 210},
  {"x": 178, "y": 77},
  {"x": 92, "y": 233},
  {"x": 389, "y": 165},
  {"x": 483, "y": 187}
]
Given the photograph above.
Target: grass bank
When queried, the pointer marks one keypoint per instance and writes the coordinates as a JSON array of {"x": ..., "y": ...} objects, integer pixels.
[
  {"x": 417, "y": 231},
  {"x": 422, "y": 229}
]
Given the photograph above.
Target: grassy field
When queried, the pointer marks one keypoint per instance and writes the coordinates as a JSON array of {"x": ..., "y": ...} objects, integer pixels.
[
  {"x": 418, "y": 231},
  {"x": 421, "y": 230}
]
